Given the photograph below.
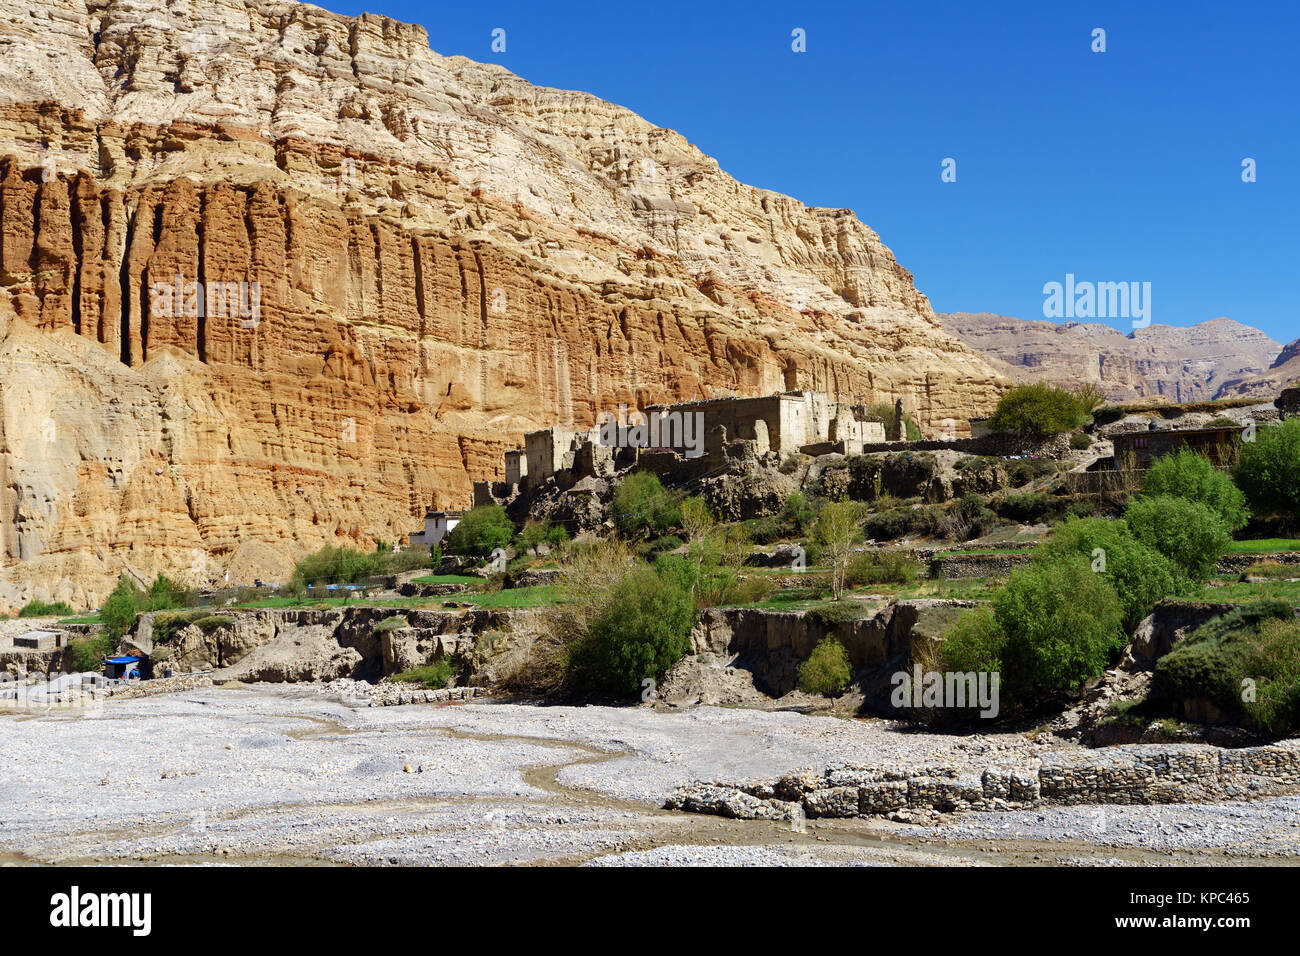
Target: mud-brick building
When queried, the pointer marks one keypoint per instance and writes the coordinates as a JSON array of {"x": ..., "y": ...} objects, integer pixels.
[{"x": 1139, "y": 449}]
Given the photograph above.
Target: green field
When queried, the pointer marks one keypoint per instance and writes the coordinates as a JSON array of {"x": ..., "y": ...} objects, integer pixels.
[
  {"x": 472, "y": 580},
  {"x": 535, "y": 596},
  {"x": 1264, "y": 546}
]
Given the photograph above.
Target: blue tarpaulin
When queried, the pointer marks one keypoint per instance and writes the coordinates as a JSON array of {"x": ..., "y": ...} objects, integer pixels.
[{"x": 121, "y": 660}]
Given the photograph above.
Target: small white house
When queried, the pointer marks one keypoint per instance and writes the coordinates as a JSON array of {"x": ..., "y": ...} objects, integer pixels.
[{"x": 437, "y": 525}]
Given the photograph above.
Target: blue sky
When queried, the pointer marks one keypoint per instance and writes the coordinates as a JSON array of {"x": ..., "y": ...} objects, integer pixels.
[{"x": 1115, "y": 166}]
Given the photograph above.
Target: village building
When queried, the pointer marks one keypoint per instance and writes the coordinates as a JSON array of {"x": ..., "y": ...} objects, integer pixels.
[
  {"x": 437, "y": 525},
  {"x": 1139, "y": 449}
]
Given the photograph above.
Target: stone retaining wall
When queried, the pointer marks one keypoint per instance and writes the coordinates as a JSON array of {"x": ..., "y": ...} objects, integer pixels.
[{"x": 1129, "y": 774}]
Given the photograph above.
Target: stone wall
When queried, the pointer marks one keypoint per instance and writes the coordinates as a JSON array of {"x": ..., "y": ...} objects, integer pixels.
[{"x": 1128, "y": 774}]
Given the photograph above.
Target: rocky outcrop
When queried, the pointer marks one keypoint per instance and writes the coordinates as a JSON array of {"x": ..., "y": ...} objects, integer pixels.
[
  {"x": 1127, "y": 774},
  {"x": 1208, "y": 360},
  {"x": 1283, "y": 373},
  {"x": 445, "y": 257}
]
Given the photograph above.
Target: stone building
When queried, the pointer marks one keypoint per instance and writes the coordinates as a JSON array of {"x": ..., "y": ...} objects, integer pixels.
[{"x": 1220, "y": 445}]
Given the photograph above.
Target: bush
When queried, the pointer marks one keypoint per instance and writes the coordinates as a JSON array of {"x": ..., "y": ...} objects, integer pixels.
[
  {"x": 642, "y": 629},
  {"x": 163, "y": 594},
  {"x": 642, "y": 504},
  {"x": 1080, "y": 441},
  {"x": 1026, "y": 470},
  {"x": 798, "y": 513},
  {"x": 434, "y": 676},
  {"x": 1030, "y": 506},
  {"x": 119, "y": 611},
  {"x": 826, "y": 671},
  {"x": 1256, "y": 646},
  {"x": 1187, "y": 532},
  {"x": 1140, "y": 575},
  {"x": 885, "y": 412},
  {"x": 42, "y": 609},
  {"x": 1192, "y": 476},
  {"x": 1037, "y": 410},
  {"x": 1053, "y": 626},
  {"x": 481, "y": 531},
  {"x": 536, "y": 533},
  {"x": 213, "y": 622},
  {"x": 888, "y": 525},
  {"x": 975, "y": 642},
  {"x": 1268, "y": 471},
  {"x": 88, "y": 653}
]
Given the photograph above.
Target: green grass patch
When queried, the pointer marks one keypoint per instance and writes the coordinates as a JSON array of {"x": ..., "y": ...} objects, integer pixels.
[
  {"x": 472, "y": 580},
  {"x": 433, "y": 676},
  {"x": 1264, "y": 546},
  {"x": 45, "y": 609},
  {"x": 537, "y": 595}
]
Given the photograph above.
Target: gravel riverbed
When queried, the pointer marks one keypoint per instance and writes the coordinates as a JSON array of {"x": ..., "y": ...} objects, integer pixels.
[{"x": 298, "y": 774}]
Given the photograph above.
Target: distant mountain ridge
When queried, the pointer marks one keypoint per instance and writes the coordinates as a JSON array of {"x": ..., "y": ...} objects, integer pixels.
[{"x": 1208, "y": 360}]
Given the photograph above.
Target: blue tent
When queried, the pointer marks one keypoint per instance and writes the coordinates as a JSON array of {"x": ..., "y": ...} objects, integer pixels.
[{"x": 117, "y": 667}]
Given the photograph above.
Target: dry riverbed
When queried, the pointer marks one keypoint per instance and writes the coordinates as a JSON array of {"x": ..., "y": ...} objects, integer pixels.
[{"x": 276, "y": 774}]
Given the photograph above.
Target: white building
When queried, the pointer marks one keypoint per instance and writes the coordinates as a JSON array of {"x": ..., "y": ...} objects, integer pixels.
[{"x": 437, "y": 525}]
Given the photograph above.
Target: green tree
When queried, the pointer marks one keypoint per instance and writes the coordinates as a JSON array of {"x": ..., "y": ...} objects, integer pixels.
[
  {"x": 119, "y": 611},
  {"x": 826, "y": 671},
  {"x": 1268, "y": 470},
  {"x": 1193, "y": 477},
  {"x": 1037, "y": 410},
  {"x": 838, "y": 529},
  {"x": 1189, "y": 533},
  {"x": 642, "y": 629},
  {"x": 480, "y": 531},
  {"x": 642, "y": 504},
  {"x": 1140, "y": 575},
  {"x": 1063, "y": 626}
]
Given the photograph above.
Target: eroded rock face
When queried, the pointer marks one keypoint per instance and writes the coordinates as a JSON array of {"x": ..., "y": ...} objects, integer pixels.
[
  {"x": 445, "y": 257},
  {"x": 1209, "y": 360}
]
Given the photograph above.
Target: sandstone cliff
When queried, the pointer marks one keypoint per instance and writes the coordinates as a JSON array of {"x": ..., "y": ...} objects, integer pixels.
[
  {"x": 1189, "y": 364},
  {"x": 445, "y": 256},
  {"x": 1283, "y": 373}
]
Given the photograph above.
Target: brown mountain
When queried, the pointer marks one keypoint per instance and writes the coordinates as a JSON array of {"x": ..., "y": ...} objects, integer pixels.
[
  {"x": 444, "y": 256},
  {"x": 1284, "y": 372},
  {"x": 1194, "y": 363}
]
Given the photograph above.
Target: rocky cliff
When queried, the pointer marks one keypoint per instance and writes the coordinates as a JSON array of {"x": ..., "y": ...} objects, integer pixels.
[
  {"x": 415, "y": 259},
  {"x": 1283, "y": 373},
  {"x": 1199, "y": 362}
]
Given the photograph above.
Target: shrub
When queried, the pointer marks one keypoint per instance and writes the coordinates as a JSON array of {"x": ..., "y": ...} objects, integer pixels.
[
  {"x": 885, "y": 412},
  {"x": 481, "y": 531},
  {"x": 1080, "y": 441},
  {"x": 1140, "y": 575},
  {"x": 791, "y": 463},
  {"x": 119, "y": 611},
  {"x": 1054, "y": 626},
  {"x": 1187, "y": 532},
  {"x": 213, "y": 622},
  {"x": 1089, "y": 396},
  {"x": 888, "y": 525},
  {"x": 1268, "y": 471},
  {"x": 536, "y": 533},
  {"x": 1256, "y": 646},
  {"x": 88, "y": 653},
  {"x": 1273, "y": 569},
  {"x": 798, "y": 513},
  {"x": 880, "y": 567},
  {"x": 1026, "y": 470},
  {"x": 975, "y": 642},
  {"x": 826, "y": 671},
  {"x": 1030, "y": 506},
  {"x": 394, "y": 623},
  {"x": 164, "y": 593},
  {"x": 642, "y": 629},
  {"x": 1037, "y": 410},
  {"x": 42, "y": 609},
  {"x": 435, "y": 675},
  {"x": 1192, "y": 476},
  {"x": 642, "y": 504}
]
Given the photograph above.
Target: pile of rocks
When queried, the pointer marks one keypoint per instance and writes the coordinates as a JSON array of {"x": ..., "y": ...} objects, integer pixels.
[
  {"x": 1130, "y": 774},
  {"x": 389, "y": 694}
]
